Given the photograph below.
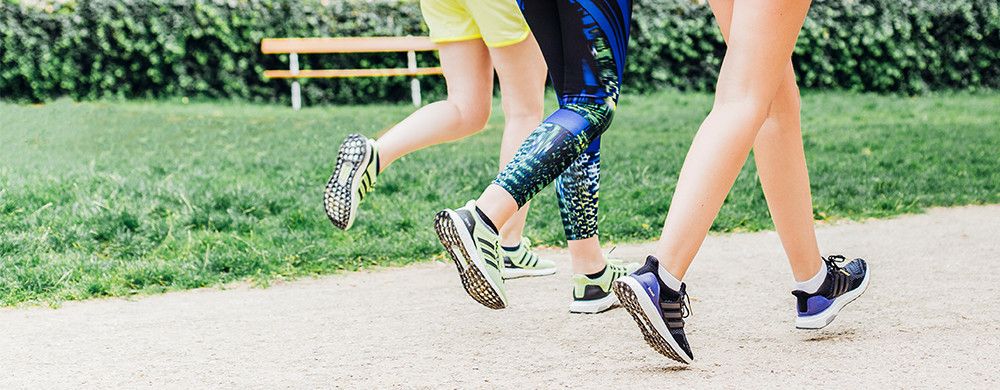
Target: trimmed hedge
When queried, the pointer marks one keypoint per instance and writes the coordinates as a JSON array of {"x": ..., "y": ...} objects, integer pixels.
[
  {"x": 900, "y": 46},
  {"x": 89, "y": 49}
]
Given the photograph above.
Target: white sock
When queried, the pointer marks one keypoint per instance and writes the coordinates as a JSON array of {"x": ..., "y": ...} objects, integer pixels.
[
  {"x": 668, "y": 279},
  {"x": 813, "y": 284}
]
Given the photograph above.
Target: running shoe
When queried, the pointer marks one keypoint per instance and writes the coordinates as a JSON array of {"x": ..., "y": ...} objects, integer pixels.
[
  {"x": 843, "y": 284},
  {"x": 524, "y": 262},
  {"x": 592, "y": 296},
  {"x": 658, "y": 310},
  {"x": 475, "y": 248},
  {"x": 353, "y": 177}
]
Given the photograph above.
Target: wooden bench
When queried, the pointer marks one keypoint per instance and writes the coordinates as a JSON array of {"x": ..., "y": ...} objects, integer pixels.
[{"x": 295, "y": 46}]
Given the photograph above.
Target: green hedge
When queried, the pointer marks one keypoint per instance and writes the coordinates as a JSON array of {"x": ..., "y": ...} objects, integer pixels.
[
  {"x": 89, "y": 49},
  {"x": 903, "y": 46}
]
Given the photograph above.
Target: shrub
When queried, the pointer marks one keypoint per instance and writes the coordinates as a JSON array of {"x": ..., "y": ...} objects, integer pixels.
[{"x": 89, "y": 49}]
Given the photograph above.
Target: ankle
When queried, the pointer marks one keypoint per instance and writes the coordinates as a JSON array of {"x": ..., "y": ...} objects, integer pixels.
[
  {"x": 486, "y": 219},
  {"x": 812, "y": 284},
  {"x": 510, "y": 245},
  {"x": 589, "y": 266},
  {"x": 668, "y": 279},
  {"x": 382, "y": 159},
  {"x": 497, "y": 205},
  {"x": 805, "y": 270}
]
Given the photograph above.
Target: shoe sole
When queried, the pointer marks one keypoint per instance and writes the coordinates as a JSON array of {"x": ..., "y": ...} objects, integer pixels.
[
  {"x": 339, "y": 200},
  {"x": 471, "y": 268},
  {"x": 514, "y": 273},
  {"x": 821, "y": 320},
  {"x": 649, "y": 321},
  {"x": 593, "y": 306}
]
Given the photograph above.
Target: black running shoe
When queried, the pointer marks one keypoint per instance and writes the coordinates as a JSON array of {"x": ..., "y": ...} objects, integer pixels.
[
  {"x": 658, "y": 310},
  {"x": 842, "y": 285}
]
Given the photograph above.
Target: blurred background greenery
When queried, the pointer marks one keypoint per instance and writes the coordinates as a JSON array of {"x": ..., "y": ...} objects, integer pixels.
[{"x": 88, "y": 49}]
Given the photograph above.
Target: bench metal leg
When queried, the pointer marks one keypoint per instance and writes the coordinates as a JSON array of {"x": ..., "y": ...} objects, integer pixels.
[
  {"x": 296, "y": 96},
  {"x": 411, "y": 60},
  {"x": 293, "y": 66},
  {"x": 415, "y": 91}
]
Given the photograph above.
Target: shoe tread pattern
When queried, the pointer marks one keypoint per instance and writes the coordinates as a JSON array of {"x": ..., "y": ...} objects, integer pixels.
[
  {"x": 474, "y": 282},
  {"x": 655, "y": 340},
  {"x": 337, "y": 198}
]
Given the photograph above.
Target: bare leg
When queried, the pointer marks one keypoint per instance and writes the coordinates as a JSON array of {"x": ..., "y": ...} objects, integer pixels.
[
  {"x": 510, "y": 232},
  {"x": 521, "y": 70},
  {"x": 781, "y": 165},
  {"x": 587, "y": 255},
  {"x": 763, "y": 35},
  {"x": 497, "y": 204},
  {"x": 468, "y": 73}
]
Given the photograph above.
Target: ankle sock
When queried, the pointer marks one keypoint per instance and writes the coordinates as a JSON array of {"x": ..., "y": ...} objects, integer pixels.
[
  {"x": 486, "y": 219},
  {"x": 813, "y": 284},
  {"x": 511, "y": 248},
  {"x": 598, "y": 274},
  {"x": 668, "y": 279}
]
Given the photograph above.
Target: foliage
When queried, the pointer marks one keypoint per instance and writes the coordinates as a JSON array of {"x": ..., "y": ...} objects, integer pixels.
[
  {"x": 907, "y": 46},
  {"x": 89, "y": 49},
  {"x": 200, "y": 48}
]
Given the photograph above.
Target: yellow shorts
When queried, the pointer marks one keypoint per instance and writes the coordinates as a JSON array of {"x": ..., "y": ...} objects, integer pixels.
[{"x": 497, "y": 22}]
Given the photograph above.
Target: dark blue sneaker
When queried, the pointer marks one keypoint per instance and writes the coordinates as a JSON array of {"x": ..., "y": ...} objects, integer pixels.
[
  {"x": 842, "y": 285},
  {"x": 658, "y": 310}
]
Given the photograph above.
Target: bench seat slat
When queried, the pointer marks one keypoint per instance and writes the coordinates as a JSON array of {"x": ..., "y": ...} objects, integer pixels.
[
  {"x": 338, "y": 73},
  {"x": 345, "y": 45}
]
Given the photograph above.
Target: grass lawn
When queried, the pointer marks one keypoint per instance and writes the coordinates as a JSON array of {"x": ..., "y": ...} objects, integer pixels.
[{"x": 109, "y": 199}]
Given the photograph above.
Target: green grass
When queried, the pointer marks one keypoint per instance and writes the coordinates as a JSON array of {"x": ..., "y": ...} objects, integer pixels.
[{"x": 110, "y": 199}]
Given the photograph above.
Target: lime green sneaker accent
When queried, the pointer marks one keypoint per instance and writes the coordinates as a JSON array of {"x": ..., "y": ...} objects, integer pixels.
[
  {"x": 475, "y": 249},
  {"x": 524, "y": 262},
  {"x": 595, "y": 295},
  {"x": 371, "y": 171},
  {"x": 353, "y": 178}
]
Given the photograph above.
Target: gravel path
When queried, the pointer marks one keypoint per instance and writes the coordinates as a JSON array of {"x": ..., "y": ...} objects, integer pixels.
[{"x": 929, "y": 319}]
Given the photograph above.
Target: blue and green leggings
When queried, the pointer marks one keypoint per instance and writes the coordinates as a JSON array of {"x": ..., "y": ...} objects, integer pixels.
[{"x": 584, "y": 44}]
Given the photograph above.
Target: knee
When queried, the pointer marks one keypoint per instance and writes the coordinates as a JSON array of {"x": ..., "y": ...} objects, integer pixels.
[
  {"x": 786, "y": 105},
  {"x": 751, "y": 109},
  {"x": 473, "y": 117},
  {"x": 605, "y": 114},
  {"x": 598, "y": 112},
  {"x": 523, "y": 111},
  {"x": 782, "y": 117}
]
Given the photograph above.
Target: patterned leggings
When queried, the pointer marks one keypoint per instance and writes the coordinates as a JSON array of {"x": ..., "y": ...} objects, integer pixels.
[{"x": 584, "y": 44}]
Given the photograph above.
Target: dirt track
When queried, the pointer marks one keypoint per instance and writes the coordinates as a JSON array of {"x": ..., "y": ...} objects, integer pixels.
[{"x": 929, "y": 319}]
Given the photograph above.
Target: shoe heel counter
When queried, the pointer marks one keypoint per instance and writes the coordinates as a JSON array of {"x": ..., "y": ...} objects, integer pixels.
[
  {"x": 590, "y": 292},
  {"x": 579, "y": 286},
  {"x": 811, "y": 304},
  {"x": 801, "y": 301}
]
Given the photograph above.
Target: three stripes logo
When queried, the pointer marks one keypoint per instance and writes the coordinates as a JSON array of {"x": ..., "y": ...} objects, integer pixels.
[
  {"x": 366, "y": 185},
  {"x": 841, "y": 284},
  {"x": 489, "y": 251}
]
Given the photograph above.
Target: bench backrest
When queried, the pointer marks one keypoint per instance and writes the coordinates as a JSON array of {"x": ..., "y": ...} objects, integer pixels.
[{"x": 295, "y": 46}]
